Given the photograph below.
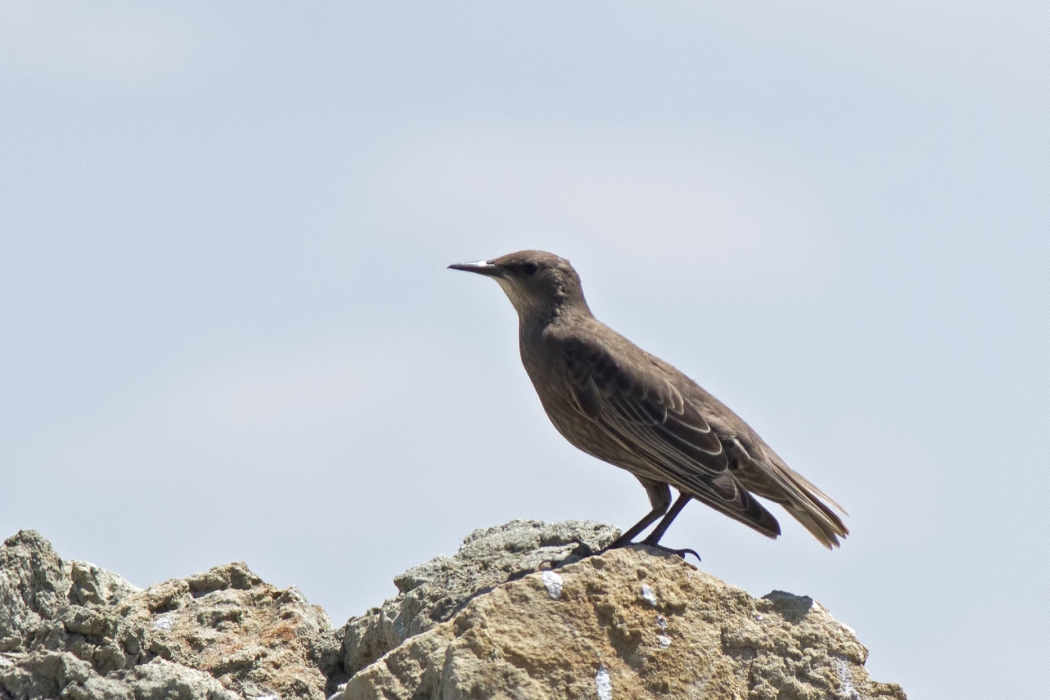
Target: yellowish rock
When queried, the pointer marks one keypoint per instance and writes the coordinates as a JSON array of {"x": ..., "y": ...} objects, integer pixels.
[{"x": 631, "y": 623}]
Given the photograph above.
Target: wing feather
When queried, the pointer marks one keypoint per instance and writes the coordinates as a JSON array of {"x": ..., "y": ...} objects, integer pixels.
[
  {"x": 637, "y": 405},
  {"x": 643, "y": 412}
]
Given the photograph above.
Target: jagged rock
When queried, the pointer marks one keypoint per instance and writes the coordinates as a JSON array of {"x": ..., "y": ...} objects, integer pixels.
[
  {"x": 38, "y": 593},
  {"x": 516, "y": 613},
  {"x": 630, "y": 623},
  {"x": 73, "y": 630},
  {"x": 433, "y": 592},
  {"x": 53, "y": 674},
  {"x": 252, "y": 637}
]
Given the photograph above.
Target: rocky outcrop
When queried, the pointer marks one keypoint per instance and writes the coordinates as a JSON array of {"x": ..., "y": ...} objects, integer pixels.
[
  {"x": 628, "y": 623},
  {"x": 437, "y": 590},
  {"x": 69, "y": 629},
  {"x": 521, "y": 611}
]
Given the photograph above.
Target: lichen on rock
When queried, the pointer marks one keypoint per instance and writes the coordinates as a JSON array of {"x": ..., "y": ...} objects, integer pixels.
[
  {"x": 521, "y": 611},
  {"x": 70, "y": 629},
  {"x": 637, "y": 622},
  {"x": 433, "y": 592}
]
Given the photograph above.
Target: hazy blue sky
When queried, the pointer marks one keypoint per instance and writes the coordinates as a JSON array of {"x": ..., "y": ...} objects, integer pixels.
[{"x": 228, "y": 332}]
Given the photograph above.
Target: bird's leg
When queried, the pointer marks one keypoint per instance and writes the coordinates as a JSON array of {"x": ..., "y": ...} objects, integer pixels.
[
  {"x": 627, "y": 537},
  {"x": 653, "y": 540},
  {"x": 659, "y": 499},
  {"x": 661, "y": 528}
]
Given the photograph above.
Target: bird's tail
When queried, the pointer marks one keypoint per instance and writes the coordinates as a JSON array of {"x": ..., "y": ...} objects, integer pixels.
[
  {"x": 810, "y": 506},
  {"x": 804, "y": 501}
]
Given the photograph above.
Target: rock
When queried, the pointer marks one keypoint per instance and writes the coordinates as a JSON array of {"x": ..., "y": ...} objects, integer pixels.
[
  {"x": 630, "y": 623},
  {"x": 520, "y": 611},
  {"x": 433, "y": 592},
  {"x": 252, "y": 637},
  {"x": 73, "y": 630},
  {"x": 161, "y": 680}
]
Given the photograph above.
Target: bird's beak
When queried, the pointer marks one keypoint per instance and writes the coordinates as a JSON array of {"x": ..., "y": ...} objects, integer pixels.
[{"x": 482, "y": 267}]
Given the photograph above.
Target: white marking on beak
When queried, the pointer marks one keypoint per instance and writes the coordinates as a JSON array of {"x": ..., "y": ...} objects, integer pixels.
[{"x": 481, "y": 266}]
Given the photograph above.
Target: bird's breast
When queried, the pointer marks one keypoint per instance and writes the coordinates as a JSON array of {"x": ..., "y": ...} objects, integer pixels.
[{"x": 549, "y": 373}]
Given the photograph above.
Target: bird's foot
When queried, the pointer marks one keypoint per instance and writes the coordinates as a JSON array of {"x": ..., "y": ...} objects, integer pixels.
[
  {"x": 618, "y": 543},
  {"x": 582, "y": 551},
  {"x": 655, "y": 545},
  {"x": 669, "y": 550}
]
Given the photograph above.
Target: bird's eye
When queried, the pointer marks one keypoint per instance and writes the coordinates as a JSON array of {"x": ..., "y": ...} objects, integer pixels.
[{"x": 530, "y": 268}]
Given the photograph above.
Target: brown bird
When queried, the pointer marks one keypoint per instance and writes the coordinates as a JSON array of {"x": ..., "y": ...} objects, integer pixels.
[{"x": 615, "y": 401}]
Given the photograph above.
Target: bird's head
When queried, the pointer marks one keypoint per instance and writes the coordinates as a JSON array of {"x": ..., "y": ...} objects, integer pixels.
[{"x": 538, "y": 284}]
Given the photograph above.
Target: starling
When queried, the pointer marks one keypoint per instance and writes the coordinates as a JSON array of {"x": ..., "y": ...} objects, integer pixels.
[{"x": 615, "y": 401}]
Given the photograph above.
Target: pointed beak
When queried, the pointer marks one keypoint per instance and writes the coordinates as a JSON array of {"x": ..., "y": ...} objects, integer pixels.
[{"x": 482, "y": 267}]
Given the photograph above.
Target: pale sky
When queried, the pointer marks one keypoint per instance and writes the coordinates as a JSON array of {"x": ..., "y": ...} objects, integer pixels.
[{"x": 229, "y": 334}]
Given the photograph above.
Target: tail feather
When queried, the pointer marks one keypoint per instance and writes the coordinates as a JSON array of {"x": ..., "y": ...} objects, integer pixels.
[
  {"x": 771, "y": 478},
  {"x": 807, "y": 507},
  {"x": 827, "y": 533}
]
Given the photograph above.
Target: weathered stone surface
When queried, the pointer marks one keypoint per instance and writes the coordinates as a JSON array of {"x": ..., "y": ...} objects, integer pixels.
[
  {"x": 73, "y": 630},
  {"x": 630, "y": 623},
  {"x": 433, "y": 592},
  {"x": 252, "y": 637},
  {"x": 40, "y": 594},
  {"x": 516, "y": 613}
]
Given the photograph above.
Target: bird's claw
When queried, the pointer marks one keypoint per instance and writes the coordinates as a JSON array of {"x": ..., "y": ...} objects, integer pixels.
[
  {"x": 582, "y": 551},
  {"x": 669, "y": 550}
]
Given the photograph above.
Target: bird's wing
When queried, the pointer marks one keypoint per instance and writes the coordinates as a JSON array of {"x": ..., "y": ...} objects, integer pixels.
[
  {"x": 641, "y": 409},
  {"x": 634, "y": 401}
]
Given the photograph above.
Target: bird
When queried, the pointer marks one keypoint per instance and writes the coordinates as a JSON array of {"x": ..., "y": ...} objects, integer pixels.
[{"x": 619, "y": 403}]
